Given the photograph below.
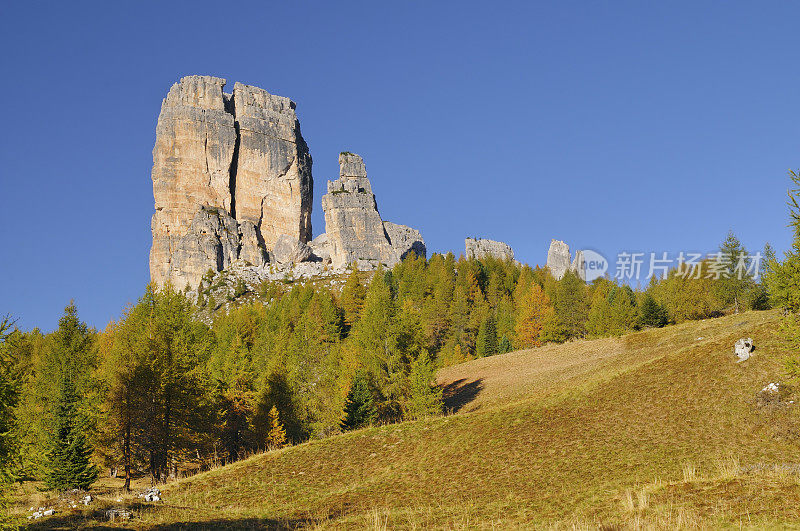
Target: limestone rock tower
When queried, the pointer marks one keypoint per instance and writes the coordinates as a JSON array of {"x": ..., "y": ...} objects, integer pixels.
[{"x": 231, "y": 173}]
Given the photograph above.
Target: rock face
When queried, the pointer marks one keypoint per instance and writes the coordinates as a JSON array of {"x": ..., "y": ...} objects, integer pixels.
[
  {"x": 481, "y": 248},
  {"x": 195, "y": 141},
  {"x": 231, "y": 173},
  {"x": 558, "y": 258},
  {"x": 578, "y": 266},
  {"x": 273, "y": 186},
  {"x": 251, "y": 249},
  {"x": 559, "y": 261},
  {"x": 354, "y": 229},
  {"x": 404, "y": 240},
  {"x": 212, "y": 241}
]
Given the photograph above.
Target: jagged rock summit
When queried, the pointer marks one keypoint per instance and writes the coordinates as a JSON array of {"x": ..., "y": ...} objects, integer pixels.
[
  {"x": 231, "y": 173},
  {"x": 354, "y": 230},
  {"x": 233, "y": 193},
  {"x": 481, "y": 248},
  {"x": 559, "y": 260}
]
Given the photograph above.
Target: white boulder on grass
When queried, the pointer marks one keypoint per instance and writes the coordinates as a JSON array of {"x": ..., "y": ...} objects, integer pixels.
[{"x": 743, "y": 348}]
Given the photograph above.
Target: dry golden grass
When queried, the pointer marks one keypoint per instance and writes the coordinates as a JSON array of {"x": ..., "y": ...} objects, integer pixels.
[
  {"x": 539, "y": 372},
  {"x": 654, "y": 430}
]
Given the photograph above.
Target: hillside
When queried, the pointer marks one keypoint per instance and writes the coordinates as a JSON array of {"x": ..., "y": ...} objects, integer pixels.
[{"x": 659, "y": 428}]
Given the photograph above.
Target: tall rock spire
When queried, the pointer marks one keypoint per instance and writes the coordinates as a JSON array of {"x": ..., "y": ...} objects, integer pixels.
[
  {"x": 355, "y": 231},
  {"x": 231, "y": 173},
  {"x": 559, "y": 261}
]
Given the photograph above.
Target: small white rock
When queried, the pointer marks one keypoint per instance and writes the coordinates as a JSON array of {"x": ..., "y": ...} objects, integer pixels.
[{"x": 771, "y": 388}]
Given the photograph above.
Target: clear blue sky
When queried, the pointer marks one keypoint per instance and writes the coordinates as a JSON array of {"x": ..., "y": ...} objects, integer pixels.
[{"x": 621, "y": 125}]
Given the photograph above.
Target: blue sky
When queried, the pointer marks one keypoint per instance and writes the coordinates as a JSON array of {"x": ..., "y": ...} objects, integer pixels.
[{"x": 610, "y": 125}]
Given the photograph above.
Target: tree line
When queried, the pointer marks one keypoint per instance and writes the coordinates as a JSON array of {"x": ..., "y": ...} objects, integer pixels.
[{"x": 160, "y": 392}]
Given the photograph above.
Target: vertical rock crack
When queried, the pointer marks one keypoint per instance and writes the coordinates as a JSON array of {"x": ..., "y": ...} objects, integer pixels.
[{"x": 230, "y": 107}]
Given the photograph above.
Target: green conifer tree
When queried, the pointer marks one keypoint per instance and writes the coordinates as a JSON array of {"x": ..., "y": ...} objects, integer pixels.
[
  {"x": 733, "y": 285},
  {"x": 9, "y": 394},
  {"x": 504, "y": 345},
  {"x": 782, "y": 278},
  {"x": 758, "y": 297},
  {"x": 487, "y": 337},
  {"x": 277, "y": 391},
  {"x": 624, "y": 314},
  {"x": 651, "y": 313},
  {"x": 359, "y": 407},
  {"x": 69, "y": 463}
]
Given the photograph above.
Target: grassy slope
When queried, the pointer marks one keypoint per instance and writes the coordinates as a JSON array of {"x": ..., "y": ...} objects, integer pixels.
[{"x": 653, "y": 428}]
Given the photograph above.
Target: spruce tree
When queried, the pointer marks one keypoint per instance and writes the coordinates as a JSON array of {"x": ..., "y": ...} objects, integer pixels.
[
  {"x": 487, "y": 337},
  {"x": 504, "y": 346},
  {"x": 782, "y": 278},
  {"x": 9, "y": 395},
  {"x": 732, "y": 287},
  {"x": 651, "y": 313},
  {"x": 359, "y": 407},
  {"x": 758, "y": 296},
  {"x": 505, "y": 319},
  {"x": 68, "y": 463},
  {"x": 66, "y": 366}
]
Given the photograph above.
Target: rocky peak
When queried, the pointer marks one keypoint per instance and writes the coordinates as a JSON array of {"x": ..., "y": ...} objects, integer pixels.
[
  {"x": 481, "y": 248},
  {"x": 239, "y": 153},
  {"x": 352, "y": 175},
  {"x": 202, "y": 92},
  {"x": 351, "y": 166},
  {"x": 355, "y": 231},
  {"x": 559, "y": 260}
]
